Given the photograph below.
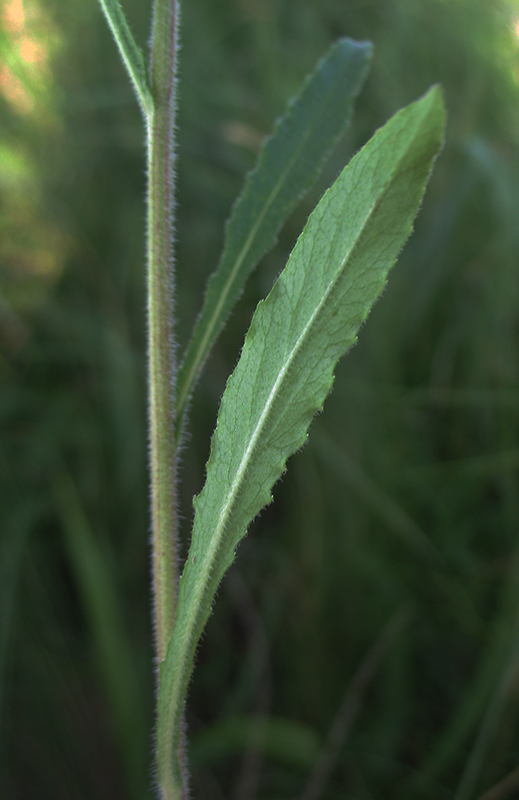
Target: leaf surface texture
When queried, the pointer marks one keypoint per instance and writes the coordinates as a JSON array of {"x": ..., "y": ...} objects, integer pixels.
[{"x": 337, "y": 270}]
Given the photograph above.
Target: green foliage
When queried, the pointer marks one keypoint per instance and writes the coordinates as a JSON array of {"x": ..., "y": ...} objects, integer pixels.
[
  {"x": 289, "y": 163},
  {"x": 406, "y": 494},
  {"x": 335, "y": 273}
]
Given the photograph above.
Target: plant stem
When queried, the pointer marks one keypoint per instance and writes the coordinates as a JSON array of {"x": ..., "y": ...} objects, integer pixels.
[
  {"x": 161, "y": 357},
  {"x": 171, "y": 772},
  {"x": 160, "y": 319},
  {"x": 158, "y": 103}
]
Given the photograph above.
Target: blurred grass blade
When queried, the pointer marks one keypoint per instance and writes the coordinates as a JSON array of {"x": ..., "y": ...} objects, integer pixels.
[
  {"x": 503, "y": 696},
  {"x": 336, "y": 271},
  {"x": 15, "y": 536},
  {"x": 288, "y": 164},
  {"x": 477, "y": 696},
  {"x": 131, "y": 53},
  {"x": 504, "y": 788},
  {"x": 380, "y": 504},
  {"x": 351, "y": 705},
  {"x": 283, "y": 741},
  {"x": 99, "y": 599}
]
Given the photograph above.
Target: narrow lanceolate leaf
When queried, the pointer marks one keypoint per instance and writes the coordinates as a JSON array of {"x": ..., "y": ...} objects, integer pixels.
[
  {"x": 335, "y": 273},
  {"x": 131, "y": 53},
  {"x": 288, "y": 164}
]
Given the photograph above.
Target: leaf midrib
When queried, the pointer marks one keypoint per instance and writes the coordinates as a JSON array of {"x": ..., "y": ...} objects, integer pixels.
[
  {"x": 223, "y": 517},
  {"x": 194, "y": 618}
]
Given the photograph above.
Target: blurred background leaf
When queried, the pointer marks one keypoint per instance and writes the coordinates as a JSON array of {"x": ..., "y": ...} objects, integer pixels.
[{"x": 407, "y": 495}]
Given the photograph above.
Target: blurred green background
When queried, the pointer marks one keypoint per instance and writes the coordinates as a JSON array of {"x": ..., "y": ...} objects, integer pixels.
[{"x": 366, "y": 642}]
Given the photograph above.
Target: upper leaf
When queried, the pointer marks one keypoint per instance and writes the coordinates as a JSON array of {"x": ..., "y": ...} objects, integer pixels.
[
  {"x": 131, "y": 53},
  {"x": 337, "y": 270},
  {"x": 288, "y": 164}
]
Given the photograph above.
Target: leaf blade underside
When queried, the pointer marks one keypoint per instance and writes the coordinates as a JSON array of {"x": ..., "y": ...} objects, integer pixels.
[{"x": 337, "y": 270}]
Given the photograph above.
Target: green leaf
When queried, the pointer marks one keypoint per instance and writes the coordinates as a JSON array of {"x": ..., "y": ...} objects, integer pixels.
[
  {"x": 336, "y": 271},
  {"x": 131, "y": 53},
  {"x": 288, "y": 164}
]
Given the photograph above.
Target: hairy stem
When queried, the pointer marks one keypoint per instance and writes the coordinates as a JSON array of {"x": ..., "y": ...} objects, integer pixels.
[
  {"x": 160, "y": 318},
  {"x": 171, "y": 771}
]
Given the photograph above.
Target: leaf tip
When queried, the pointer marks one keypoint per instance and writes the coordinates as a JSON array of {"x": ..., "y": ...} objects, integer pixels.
[
  {"x": 434, "y": 100},
  {"x": 364, "y": 49}
]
